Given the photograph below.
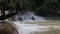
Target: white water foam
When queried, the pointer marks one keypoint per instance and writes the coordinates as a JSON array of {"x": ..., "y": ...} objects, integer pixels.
[
  {"x": 27, "y": 16},
  {"x": 31, "y": 28}
]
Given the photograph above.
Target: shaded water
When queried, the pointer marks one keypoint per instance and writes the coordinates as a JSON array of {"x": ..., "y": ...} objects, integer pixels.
[
  {"x": 30, "y": 16},
  {"x": 27, "y": 16}
]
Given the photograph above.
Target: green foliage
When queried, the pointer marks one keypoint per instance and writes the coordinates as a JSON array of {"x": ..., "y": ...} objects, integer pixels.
[
  {"x": 12, "y": 3},
  {"x": 27, "y": 4},
  {"x": 23, "y": 3},
  {"x": 48, "y": 5}
]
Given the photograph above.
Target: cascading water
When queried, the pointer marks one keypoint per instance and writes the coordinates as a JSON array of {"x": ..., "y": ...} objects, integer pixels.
[
  {"x": 27, "y": 16},
  {"x": 33, "y": 21},
  {"x": 32, "y": 27},
  {"x": 24, "y": 28}
]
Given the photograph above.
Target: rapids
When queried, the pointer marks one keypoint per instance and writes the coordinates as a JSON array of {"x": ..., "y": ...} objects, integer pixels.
[
  {"x": 27, "y": 16},
  {"x": 29, "y": 28},
  {"x": 30, "y": 23}
]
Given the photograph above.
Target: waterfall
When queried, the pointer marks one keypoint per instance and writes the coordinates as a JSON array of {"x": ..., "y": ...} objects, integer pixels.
[{"x": 27, "y": 16}]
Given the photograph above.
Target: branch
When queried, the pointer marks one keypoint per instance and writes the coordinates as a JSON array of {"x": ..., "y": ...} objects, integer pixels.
[{"x": 7, "y": 16}]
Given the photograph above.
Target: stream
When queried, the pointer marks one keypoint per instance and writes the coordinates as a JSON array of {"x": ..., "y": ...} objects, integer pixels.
[
  {"x": 30, "y": 23},
  {"x": 36, "y": 27}
]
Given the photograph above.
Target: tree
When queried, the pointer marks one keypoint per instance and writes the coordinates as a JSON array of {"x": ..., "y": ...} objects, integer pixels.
[{"x": 41, "y": 7}]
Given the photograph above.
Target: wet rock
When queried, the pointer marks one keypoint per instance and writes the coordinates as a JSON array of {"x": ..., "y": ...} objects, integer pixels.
[{"x": 7, "y": 28}]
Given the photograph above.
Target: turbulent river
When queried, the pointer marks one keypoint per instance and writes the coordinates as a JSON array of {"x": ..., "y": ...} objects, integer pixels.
[
  {"x": 38, "y": 27},
  {"x": 30, "y": 23},
  {"x": 28, "y": 16}
]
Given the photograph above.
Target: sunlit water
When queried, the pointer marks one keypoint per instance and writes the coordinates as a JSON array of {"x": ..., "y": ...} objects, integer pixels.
[{"x": 24, "y": 28}]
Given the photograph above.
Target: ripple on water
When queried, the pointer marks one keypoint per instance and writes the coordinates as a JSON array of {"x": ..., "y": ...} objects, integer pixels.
[{"x": 31, "y": 28}]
